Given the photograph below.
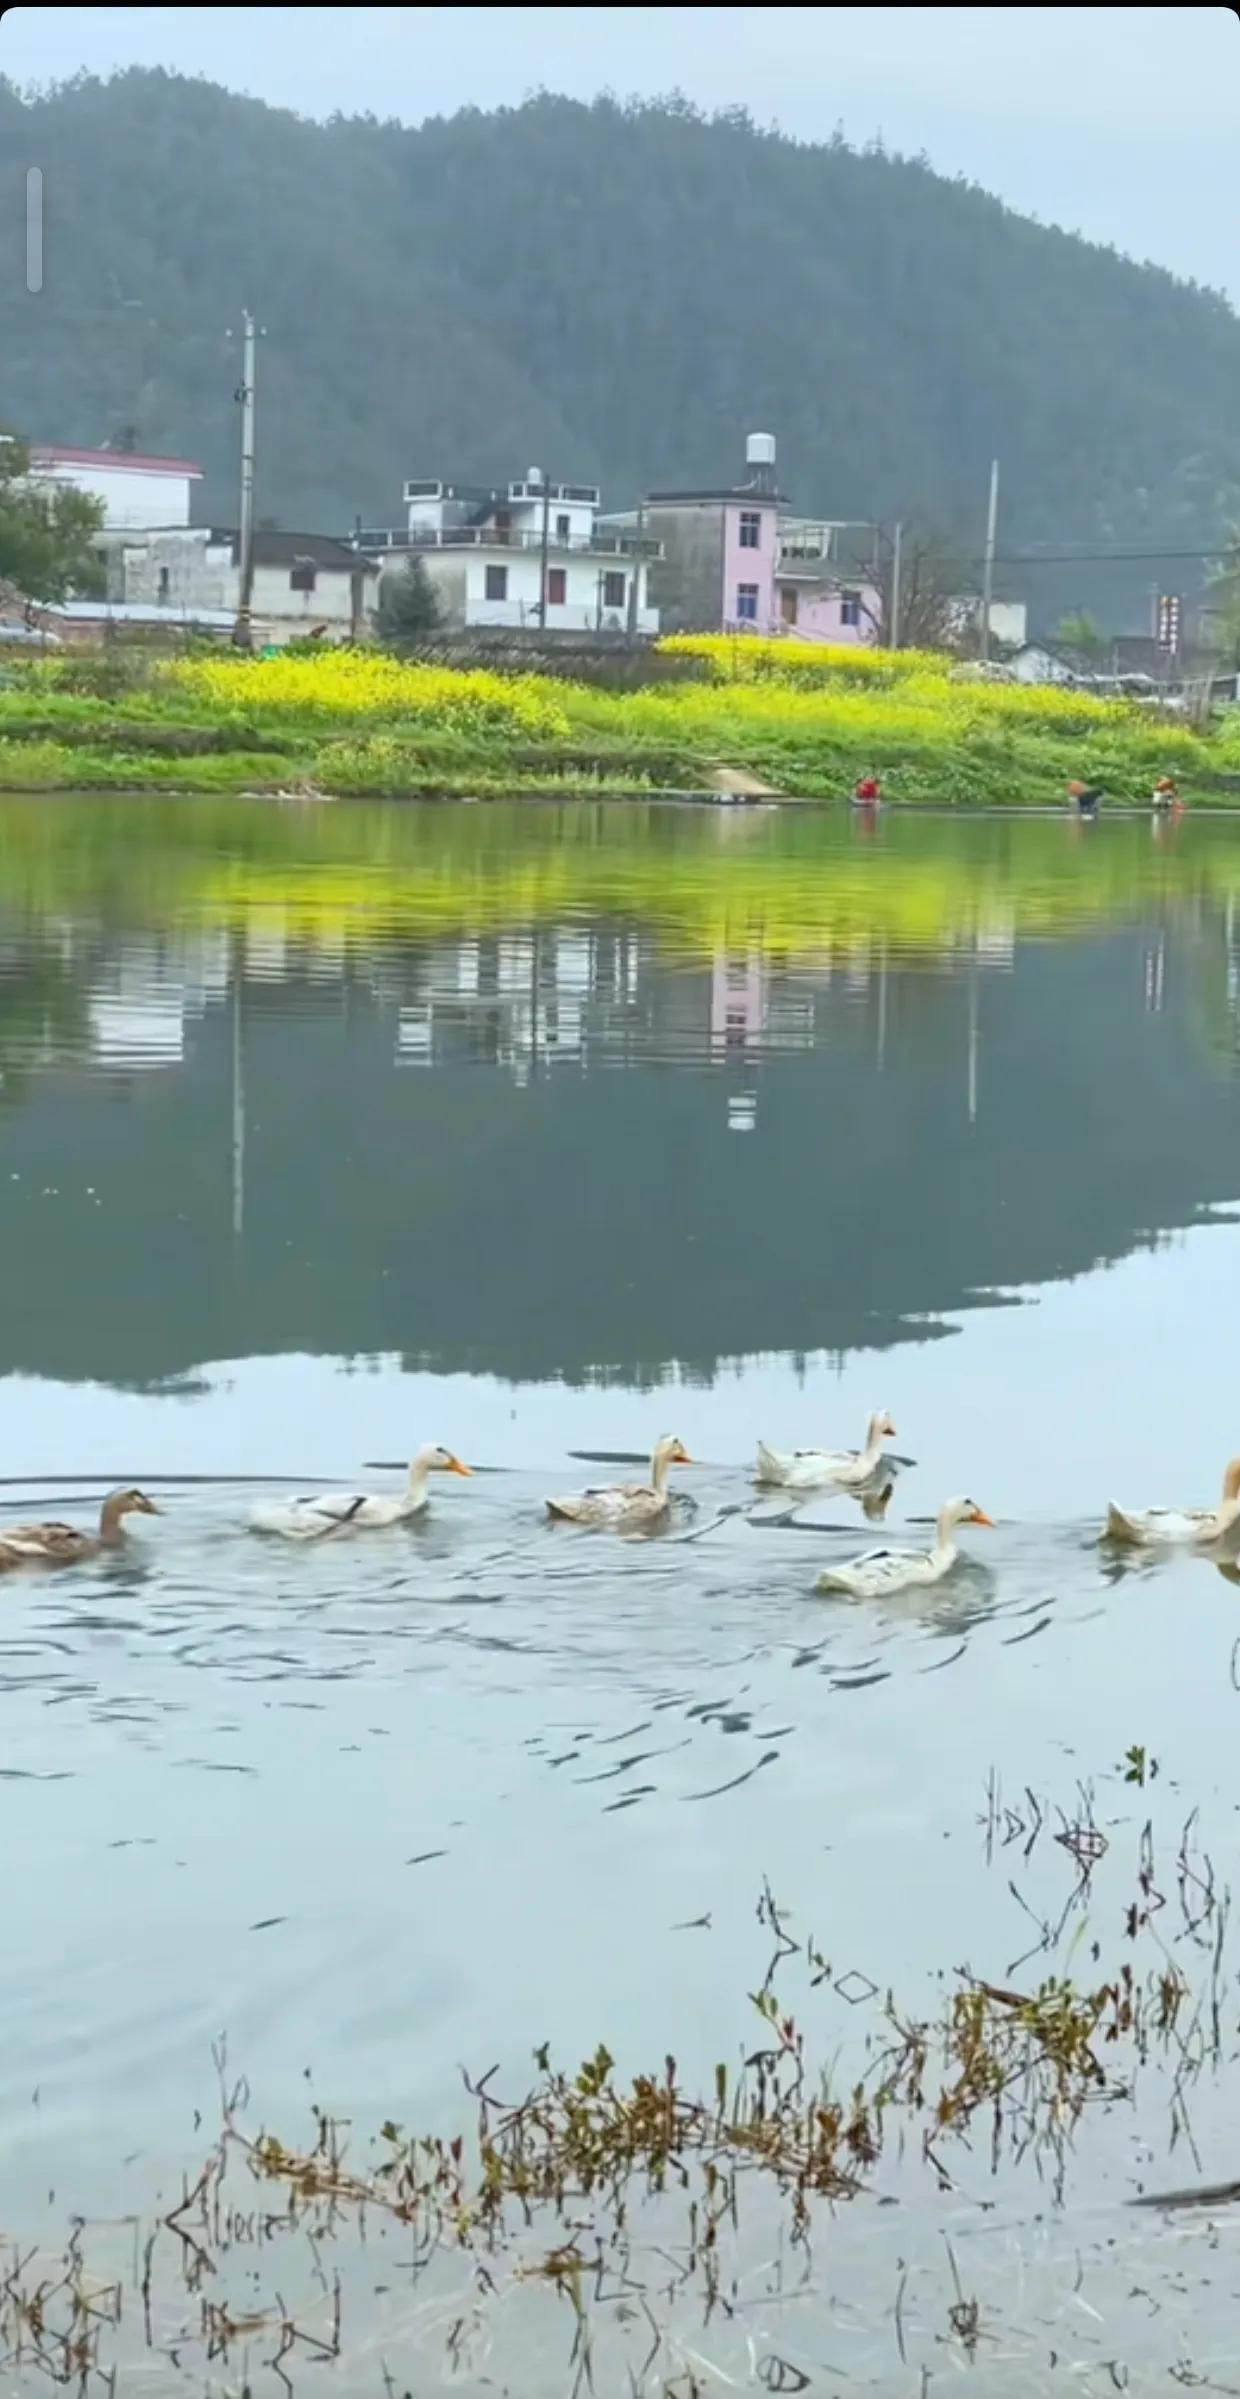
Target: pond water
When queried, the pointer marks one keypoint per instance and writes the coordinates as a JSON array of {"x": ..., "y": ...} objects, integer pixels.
[{"x": 328, "y": 1131}]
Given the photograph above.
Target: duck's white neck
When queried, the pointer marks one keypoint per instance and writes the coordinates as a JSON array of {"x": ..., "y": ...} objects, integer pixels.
[
  {"x": 945, "y": 1533},
  {"x": 420, "y": 1474},
  {"x": 873, "y": 1450},
  {"x": 660, "y": 1468}
]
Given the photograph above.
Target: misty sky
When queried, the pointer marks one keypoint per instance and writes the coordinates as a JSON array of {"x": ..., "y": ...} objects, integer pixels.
[{"x": 1121, "y": 123}]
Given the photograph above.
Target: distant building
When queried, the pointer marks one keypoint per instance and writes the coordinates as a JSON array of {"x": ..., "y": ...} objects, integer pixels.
[
  {"x": 483, "y": 552},
  {"x": 192, "y": 574},
  {"x": 135, "y": 490},
  {"x": 1009, "y": 619},
  {"x": 734, "y": 557},
  {"x": 1036, "y": 662}
]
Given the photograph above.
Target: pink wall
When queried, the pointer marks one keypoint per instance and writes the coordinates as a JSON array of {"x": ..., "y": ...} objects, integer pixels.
[
  {"x": 818, "y": 614},
  {"x": 750, "y": 566}
]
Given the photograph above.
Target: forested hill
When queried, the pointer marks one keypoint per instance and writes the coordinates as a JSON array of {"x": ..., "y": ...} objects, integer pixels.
[{"x": 620, "y": 292}]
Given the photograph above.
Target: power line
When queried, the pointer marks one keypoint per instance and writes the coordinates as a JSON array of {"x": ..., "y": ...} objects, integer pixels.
[{"x": 1074, "y": 557}]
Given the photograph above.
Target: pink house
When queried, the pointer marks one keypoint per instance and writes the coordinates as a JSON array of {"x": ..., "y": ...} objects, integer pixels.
[{"x": 736, "y": 559}]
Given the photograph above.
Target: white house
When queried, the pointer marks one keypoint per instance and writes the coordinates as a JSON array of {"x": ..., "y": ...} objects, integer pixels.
[
  {"x": 1035, "y": 663},
  {"x": 135, "y": 490},
  {"x": 1009, "y": 619},
  {"x": 303, "y": 582},
  {"x": 483, "y": 551}
]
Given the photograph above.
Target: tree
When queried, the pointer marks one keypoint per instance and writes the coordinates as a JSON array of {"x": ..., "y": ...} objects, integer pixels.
[
  {"x": 408, "y": 604},
  {"x": 1222, "y": 603},
  {"x": 897, "y": 328},
  {"x": 929, "y": 610},
  {"x": 47, "y": 534},
  {"x": 1078, "y": 633}
]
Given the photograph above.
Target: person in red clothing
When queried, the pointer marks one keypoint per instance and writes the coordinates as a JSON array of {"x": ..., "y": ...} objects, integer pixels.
[{"x": 868, "y": 792}]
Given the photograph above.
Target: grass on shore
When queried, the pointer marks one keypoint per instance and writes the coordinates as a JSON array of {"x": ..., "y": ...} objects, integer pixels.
[{"x": 805, "y": 721}]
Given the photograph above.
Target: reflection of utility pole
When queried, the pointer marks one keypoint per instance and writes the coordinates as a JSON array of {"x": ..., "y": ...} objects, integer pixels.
[
  {"x": 972, "y": 1079},
  {"x": 882, "y": 1010},
  {"x": 238, "y": 1095}
]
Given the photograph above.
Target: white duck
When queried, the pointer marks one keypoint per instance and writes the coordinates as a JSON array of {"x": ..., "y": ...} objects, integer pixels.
[
  {"x": 809, "y": 1469},
  {"x": 879, "y": 1571},
  {"x": 1197, "y": 1528},
  {"x": 626, "y": 1506},
  {"x": 340, "y": 1511}
]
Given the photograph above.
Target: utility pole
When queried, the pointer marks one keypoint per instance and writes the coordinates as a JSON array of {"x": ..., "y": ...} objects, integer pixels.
[
  {"x": 243, "y": 632},
  {"x": 636, "y": 577},
  {"x": 545, "y": 544},
  {"x": 988, "y": 569},
  {"x": 893, "y": 631}
]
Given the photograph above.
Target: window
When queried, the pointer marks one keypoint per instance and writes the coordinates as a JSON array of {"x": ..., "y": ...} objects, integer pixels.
[
  {"x": 850, "y": 607},
  {"x": 613, "y": 591},
  {"x": 163, "y": 585},
  {"x": 563, "y": 527},
  {"x": 788, "y": 603},
  {"x": 747, "y": 603},
  {"x": 557, "y": 586},
  {"x": 301, "y": 576},
  {"x": 497, "y": 583},
  {"x": 751, "y": 529}
]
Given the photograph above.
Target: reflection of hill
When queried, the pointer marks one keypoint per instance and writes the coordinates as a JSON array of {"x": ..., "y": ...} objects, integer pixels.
[{"x": 608, "y": 1219}]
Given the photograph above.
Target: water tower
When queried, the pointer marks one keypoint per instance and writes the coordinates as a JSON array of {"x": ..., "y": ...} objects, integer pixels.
[{"x": 760, "y": 463}]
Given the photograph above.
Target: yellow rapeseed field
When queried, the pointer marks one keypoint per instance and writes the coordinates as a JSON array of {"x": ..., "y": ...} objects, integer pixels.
[
  {"x": 751, "y": 658},
  {"x": 368, "y": 683}
]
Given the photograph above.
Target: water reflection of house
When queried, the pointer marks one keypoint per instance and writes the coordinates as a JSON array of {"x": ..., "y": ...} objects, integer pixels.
[
  {"x": 515, "y": 998},
  {"x": 738, "y": 1001},
  {"x": 137, "y": 1014}
]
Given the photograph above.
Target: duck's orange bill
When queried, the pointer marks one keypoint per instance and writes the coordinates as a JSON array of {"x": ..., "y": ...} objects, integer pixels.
[
  {"x": 980, "y": 1517},
  {"x": 457, "y": 1468}
]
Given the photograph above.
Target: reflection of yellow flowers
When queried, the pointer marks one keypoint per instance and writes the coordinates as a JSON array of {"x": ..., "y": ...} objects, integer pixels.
[
  {"x": 361, "y": 876},
  {"x": 362, "y": 683}
]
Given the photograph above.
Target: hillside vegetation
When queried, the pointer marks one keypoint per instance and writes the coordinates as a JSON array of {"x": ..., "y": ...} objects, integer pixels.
[{"x": 617, "y": 292}]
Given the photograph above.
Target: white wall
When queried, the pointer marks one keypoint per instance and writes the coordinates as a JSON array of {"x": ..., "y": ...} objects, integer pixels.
[
  {"x": 1037, "y": 666},
  {"x": 202, "y": 574},
  {"x": 330, "y": 603},
  {"x": 460, "y": 577},
  {"x": 131, "y": 496},
  {"x": 1009, "y": 619}
]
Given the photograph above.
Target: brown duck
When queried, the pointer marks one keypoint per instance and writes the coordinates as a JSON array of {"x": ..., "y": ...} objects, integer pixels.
[{"x": 64, "y": 1544}]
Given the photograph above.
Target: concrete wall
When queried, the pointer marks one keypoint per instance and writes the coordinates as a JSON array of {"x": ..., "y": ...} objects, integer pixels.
[
  {"x": 200, "y": 574},
  {"x": 185, "y": 570},
  {"x": 686, "y": 584}
]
